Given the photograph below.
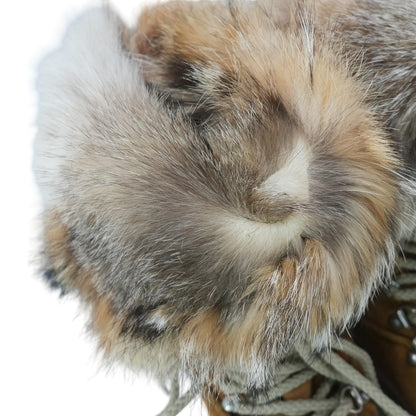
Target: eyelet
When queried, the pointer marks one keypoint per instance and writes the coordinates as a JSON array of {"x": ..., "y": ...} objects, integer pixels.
[{"x": 358, "y": 397}]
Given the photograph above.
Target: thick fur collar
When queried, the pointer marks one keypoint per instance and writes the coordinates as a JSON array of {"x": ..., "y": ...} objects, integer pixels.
[{"x": 215, "y": 186}]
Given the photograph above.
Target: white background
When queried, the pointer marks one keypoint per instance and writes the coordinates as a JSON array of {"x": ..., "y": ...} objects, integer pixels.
[{"x": 48, "y": 364}]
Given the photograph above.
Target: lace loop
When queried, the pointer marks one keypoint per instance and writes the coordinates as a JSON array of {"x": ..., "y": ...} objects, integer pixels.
[{"x": 359, "y": 398}]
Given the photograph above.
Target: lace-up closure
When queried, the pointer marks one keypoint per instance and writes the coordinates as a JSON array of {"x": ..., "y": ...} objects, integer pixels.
[{"x": 343, "y": 389}]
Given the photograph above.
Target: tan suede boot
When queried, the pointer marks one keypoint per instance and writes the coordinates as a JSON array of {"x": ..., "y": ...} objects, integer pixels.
[{"x": 388, "y": 333}]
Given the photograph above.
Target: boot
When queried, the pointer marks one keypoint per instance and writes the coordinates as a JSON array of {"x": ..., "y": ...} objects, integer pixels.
[{"x": 388, "y": 333}]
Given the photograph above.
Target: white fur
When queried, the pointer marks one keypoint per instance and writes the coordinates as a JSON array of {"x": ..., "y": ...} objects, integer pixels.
[
  {"x": 292, "y": 179},
  {"x": 251, "y": 239},
  {"x": 83, "y": 73}
]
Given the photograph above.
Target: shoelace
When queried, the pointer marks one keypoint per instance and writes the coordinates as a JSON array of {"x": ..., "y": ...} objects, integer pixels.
[{"x": 343, "y": 391}]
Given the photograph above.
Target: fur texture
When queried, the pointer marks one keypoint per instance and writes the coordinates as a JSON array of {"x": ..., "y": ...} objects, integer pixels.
[
  {"x": 382, "y": 31},
  {"x": 216, "y": 186}
]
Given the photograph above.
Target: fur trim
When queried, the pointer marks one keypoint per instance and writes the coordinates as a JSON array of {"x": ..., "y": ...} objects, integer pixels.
[{"x": 214, "y": 186}]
